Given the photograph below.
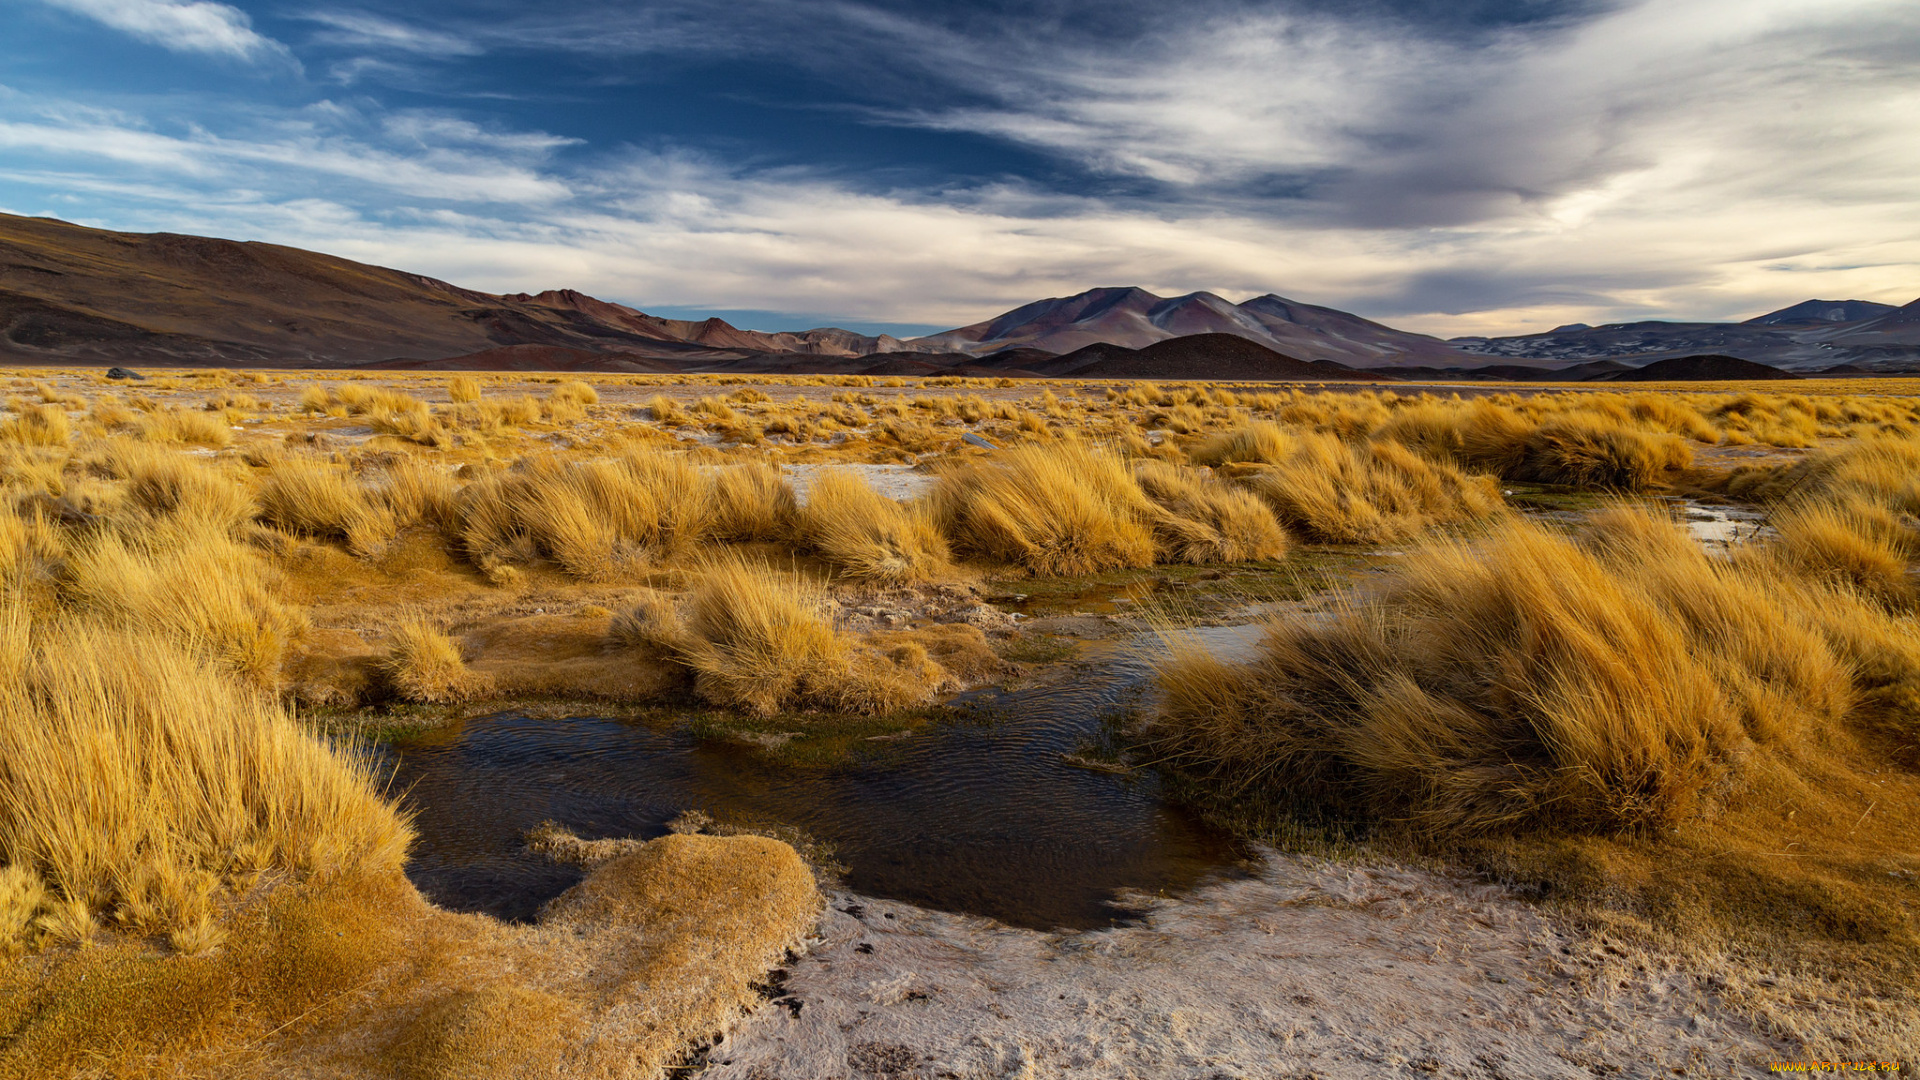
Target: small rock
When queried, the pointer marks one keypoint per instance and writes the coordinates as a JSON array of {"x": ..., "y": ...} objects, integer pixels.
[{"x": 124, "y": 373}]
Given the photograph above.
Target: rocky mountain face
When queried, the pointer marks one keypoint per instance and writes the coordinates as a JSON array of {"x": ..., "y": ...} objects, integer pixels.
[{"x": 1808, "y": 336}]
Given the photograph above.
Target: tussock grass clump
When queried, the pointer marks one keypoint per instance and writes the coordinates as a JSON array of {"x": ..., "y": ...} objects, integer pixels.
[
  {"x": 36, "y": 425},
  {"x": 1378, "y": 492},
  {"x": 1057, "y": 509},
  {"x": 1203, "y": 520},
  {"x": 317, "y": 499},
  {"x": 1614, "y": 682},
  {"x": 424, "y": 665},
  {"x": 665, "y": 410},
  {"x": 163, "y": 483},
  {"x": 763, "y": 641},
  {"x": 866, "y": 535},
  {"x": 1851, "y": 540},
  {"x": 188, "y": 427},
  {"x": 752, "y": 501},
  {"x": 32, "y": 550},
  {"x": 189, "y": 581},
  {"x": 464, "y": 389},
  {"x": 1590, "y": 452},
  {"x": 1258, "y": 442},
  {"x": 419, "y": 493},
  {"x": 1599, "y": 448},
  {"x": 757, "y": 639},
  {"x": 597, "y": 520},
  {"x": 136, "y": 785}
]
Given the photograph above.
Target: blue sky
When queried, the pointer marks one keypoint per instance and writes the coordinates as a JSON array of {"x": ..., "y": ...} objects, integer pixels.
[{"x": 1448, "y": 167}]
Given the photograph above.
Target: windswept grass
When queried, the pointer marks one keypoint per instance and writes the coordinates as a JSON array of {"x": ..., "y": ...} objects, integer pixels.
[
  {"x": 752, "y": 501},
  {"x": 1055, "y": 509},
  {"x": 597, "y": 520},
  {"x": 424, "y": 665},
  {"x": 1378, "y": 492},
  {"x": 763, "y": 641},
  {"x": 136, "y": 786},
  {"x": 35, "y": 425},
  {"x": 315, "y": 498},
  {"x": 1203, "y": 520},
  {"x": 192, "y": 428},
  {"x": 1619, "y": 681},
  {"x": 866, "y": 535},
  {"x": 191, "y": 582}
]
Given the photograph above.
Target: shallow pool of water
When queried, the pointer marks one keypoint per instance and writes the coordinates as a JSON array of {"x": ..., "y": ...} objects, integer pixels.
[{"x": 984, "y": 818}]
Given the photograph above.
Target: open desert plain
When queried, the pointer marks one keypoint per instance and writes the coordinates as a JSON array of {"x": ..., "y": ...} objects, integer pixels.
[{"x": 476, "y": 724}]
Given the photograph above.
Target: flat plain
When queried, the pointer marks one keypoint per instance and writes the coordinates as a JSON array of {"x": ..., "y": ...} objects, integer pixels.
[{"x": 1621, "y": 685}]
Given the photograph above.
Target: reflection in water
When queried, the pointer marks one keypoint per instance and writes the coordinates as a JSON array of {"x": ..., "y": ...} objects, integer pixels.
[{"x": 979, "y": 818}]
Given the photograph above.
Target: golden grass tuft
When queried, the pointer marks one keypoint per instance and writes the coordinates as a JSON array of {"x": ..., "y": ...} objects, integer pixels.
[
  {"x": 597, "y": 520},
  {"x": 164, "y": 483},
  {"x": 136, "y": 784},
  {"x": 36, "y": 425},
  {"x": 763, "y": 641},
  {"x": 424, "y": 665},
  {"x": 1056, "y": 509},
  {"x": 187, "y": 427},
  {"x": 1378, "y": 492},
  {"x": 464, "y": 389},
  {"x": 317, "y": 499},
  {"x": 866, "y": 535},
  {"x": 190, "y": 581},
  {"x": 752, "y": 501},
  {"x": 1203, "y": 520},
  {"x": 1258, "y": 442},
  {"x": 1615, "y": 682}
]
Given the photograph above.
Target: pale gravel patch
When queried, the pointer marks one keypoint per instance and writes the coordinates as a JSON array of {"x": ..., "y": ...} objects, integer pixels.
[
  {"x": 1307, "y": 968},
  {"x": 894, "y": 481}
]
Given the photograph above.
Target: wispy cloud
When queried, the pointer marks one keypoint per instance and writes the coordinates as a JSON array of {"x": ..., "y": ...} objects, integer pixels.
[
  {"x": 191, "y": 26},
  {"x": 359, "y": 29},
  {"x": 420, "y": 155}
]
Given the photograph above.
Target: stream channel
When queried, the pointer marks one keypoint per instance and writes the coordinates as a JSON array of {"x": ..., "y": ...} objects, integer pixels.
[{"x": 982, "y": 818}]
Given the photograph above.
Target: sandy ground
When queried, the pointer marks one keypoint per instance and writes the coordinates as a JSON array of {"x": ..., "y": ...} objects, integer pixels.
[{"x": 1305, "y": 969}]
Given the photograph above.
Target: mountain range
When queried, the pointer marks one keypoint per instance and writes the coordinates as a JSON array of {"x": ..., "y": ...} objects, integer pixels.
[
  {"x": 1809, "y": 336},
  {"x": 72, "y": 294}
]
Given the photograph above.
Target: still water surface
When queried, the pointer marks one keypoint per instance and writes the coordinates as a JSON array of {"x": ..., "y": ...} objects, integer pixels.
[{"x": 982, "y": 818}]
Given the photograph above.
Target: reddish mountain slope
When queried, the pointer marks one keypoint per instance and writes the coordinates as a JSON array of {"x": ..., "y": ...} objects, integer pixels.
[{"x": 73, "y": 294}]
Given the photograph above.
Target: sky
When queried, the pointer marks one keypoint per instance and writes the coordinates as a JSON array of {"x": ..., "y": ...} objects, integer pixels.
[{"x": 1447, "y": 166}]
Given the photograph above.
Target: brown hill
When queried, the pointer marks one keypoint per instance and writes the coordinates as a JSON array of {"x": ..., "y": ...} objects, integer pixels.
[
  {"x": 1197, "y": 356},
  {"x": 1707, "y": 367},
  {"x": 73, "y": 294}
]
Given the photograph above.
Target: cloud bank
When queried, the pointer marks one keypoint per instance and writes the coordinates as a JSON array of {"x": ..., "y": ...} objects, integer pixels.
[{"x": 1687, "y": 159}]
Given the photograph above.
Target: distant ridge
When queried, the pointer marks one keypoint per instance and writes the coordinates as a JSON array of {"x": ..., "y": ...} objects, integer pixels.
[
  {"x": 1812, "y": 335},
  {"x": 1199, "y": 356},
  {"x": 1711, "y": 367}
]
